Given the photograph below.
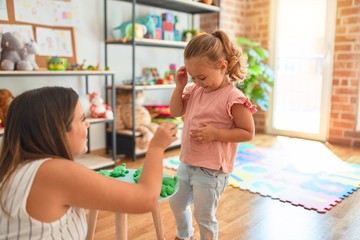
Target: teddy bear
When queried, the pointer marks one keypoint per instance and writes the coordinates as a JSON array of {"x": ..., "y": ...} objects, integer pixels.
[
  {"x": 27, "y": 55},
  {"x": 11, "y": 44},
  {"x": 143, "y": 123},
  {"x": 6, "y": 98},
  {"x": 98, "y": 109}
]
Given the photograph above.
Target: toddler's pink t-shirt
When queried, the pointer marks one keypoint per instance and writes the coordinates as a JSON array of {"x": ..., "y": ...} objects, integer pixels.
[{"x": 213, "y": 108}]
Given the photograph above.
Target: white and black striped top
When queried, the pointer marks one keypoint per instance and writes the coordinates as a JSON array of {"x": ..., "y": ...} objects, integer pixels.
[{"x": 20, "y": 225}]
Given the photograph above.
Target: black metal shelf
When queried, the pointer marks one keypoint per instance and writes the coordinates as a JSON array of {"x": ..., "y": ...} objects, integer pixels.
[
  {"x": 186, "y": 6},
  {"x": 100, "y": 161},
  {"x": 126, "y": 143},
  {"x": 145, "y": 42}
]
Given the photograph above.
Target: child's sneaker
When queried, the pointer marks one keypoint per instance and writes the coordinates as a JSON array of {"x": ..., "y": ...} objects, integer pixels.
[{"x": 193, "y": 237}]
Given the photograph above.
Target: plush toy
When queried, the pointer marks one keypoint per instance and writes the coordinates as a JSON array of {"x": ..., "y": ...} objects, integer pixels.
[
  {"x": 5, "y": 99},
  {"x": 11, "y": 44},
  {"x": 98, "y": 109},
  {"x": 143, "y": 123},
  {"x": 27, "y": 55}
]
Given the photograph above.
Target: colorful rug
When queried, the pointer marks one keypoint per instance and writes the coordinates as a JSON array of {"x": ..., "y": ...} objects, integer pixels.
[{"x": 303, "y": 173}]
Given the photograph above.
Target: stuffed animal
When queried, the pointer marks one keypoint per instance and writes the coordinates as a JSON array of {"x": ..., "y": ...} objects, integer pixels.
[
  {"x": 27, "y": 55},
  {"x": 143, "y": 123},
  {"x": 5, "y": 99},
  {"x": 11, "y": 44},
  {"x": 98, "y": 109}
]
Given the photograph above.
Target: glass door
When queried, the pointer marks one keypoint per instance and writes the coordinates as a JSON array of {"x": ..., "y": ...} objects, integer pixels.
[{"x": 302, "y": 42}]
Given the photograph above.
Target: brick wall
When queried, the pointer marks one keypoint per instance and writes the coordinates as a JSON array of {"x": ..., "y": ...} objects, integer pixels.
[
  {"x": 250, "y": 18},
  {"x": 346, "y": 75}
]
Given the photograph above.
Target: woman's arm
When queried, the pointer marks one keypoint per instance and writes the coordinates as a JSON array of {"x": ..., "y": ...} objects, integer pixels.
[{"x": 62, "y": 183}]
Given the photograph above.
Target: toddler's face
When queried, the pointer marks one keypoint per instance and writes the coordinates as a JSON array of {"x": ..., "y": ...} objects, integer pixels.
[{"x": 204, "y": 74}]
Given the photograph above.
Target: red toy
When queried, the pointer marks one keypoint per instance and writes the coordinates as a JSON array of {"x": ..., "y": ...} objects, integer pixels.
[{"x": 98, "y": 108}]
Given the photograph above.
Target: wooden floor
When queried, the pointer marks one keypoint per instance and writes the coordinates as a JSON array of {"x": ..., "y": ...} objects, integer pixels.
[{"x": 243, "y": 215}]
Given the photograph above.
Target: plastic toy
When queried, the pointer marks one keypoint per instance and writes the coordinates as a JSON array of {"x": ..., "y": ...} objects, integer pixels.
[
  {"x": 56, "y": 63},
  {"x": 170, "y": 74},
  {"x": 168, "y": 186},
  {"x": 137, "y": 174},
  {"x": 119, "y": 171},
  {"x": 140, "y": 31},
  {"x": 146, "y": 21},
  {"x": 168, "y": 183},
  {"x": 98, "y": 109}
]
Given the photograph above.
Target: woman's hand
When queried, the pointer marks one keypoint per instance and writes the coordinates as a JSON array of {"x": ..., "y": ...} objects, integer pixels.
[{"x": 164, "y": 135}]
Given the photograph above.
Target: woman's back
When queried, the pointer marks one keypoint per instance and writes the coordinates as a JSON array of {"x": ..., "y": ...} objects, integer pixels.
[{"x": 20, "y": 225}]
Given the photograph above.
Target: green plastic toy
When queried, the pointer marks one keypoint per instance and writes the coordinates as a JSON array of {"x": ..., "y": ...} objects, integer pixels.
[
  {"x": 168, "y": 183},
  {"x": 137, "y": 174},
  {"x": 119, "y": 171},
  {"x": 168, "y": 186}
]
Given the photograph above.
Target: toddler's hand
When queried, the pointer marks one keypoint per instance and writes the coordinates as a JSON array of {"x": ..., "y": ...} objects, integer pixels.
[
  {"x": 164, "y": 135},
  {"x": 181, "y": 78},
  {"x": 203, "y": 134}
]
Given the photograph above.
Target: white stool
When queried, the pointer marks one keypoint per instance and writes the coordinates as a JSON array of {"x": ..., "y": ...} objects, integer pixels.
[{"x": 121, "y": 218}]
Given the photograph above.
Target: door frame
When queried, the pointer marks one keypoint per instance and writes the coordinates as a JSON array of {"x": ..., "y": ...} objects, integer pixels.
[{"x": 327, "y": 74}]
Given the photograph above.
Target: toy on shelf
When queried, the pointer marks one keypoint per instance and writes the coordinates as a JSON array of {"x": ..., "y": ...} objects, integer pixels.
[
  {"x": 170, "y": 74},
  {"x": 98, "y": 109},
  {"x": 11, "y": 44},
  {"x": 151, "y": 75},
  {"x": 56, "y": 63},
  {"x": 144, "y": 27},
  {"x": 27, "y": 55},
  {"x": 124, "y": 116},
  {"x": 189, "y": 34},
  {"x": 6, "y": 98},
  {"x": 82, "y": 66},
  {"x": 140, "y": 31}
]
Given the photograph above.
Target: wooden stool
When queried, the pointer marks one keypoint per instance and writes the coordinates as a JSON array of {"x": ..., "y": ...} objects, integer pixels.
[
  {"x": 121, "y": 224},
  {"x": 121, "y": 218}
]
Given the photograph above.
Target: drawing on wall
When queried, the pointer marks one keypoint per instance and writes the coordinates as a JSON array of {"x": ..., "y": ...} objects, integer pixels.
[
  {"x": 3, "y": 11},
  {"x": 45, "y": 12},
  {"x": 54, "y": 42},
  {"x": 25, "y": 30}
]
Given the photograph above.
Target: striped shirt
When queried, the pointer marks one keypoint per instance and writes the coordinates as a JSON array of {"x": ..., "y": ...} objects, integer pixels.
[{"x": 20, "y": 225}]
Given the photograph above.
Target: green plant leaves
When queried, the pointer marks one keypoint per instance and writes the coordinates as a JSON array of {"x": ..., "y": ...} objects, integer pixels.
[{"x": 259, "y": 84}]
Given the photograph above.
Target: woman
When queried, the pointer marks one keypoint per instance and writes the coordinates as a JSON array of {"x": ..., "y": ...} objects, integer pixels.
[{"x": 43, "y": 192}]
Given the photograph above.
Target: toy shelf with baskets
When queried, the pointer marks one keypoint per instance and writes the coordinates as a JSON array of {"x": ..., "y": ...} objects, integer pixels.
[
  {"x": 89, "y": 160},
  {"x": 187, "y": 9}
]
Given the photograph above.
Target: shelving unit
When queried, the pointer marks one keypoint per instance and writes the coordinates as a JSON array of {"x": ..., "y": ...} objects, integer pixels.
[
  {"x": 89, "y": 160},
  {"x": 126, "y": 140}
]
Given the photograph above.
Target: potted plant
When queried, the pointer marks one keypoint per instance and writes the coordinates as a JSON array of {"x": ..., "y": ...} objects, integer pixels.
[{"x": 258, "y": 86}]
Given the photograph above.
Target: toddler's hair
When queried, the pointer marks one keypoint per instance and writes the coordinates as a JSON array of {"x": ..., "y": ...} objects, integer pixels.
[{"x": 216, "y": 47}]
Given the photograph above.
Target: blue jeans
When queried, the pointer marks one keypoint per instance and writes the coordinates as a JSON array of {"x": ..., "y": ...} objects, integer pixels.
[{"x": 203, "y": 187}]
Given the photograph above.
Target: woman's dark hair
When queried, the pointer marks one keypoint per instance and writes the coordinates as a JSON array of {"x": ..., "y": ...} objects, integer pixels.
[{"x": 36, "y": 127}]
